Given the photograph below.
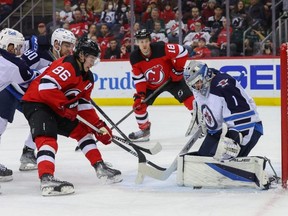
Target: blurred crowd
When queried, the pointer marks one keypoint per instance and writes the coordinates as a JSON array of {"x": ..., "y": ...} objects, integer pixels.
[{"x": 203, "y": 25}]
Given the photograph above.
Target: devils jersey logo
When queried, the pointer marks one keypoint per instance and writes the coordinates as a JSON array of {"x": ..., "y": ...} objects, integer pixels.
[{"x": 155, "y": 75}]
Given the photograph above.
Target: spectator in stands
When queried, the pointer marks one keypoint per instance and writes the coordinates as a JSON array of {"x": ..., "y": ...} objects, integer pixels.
[
  {"x": 97, "y": 6},
  {"x": 168, "y": 14},
  {"x": 158, "y": 33},
  {"x": 191, "y": 39},
  {"x": 186, "y": 9},
  {"x": 92, "y": 31},
  {"x": 253, "y": 40},
  {"x": 138, "y": 9},
  {"x": 201, "y": 50},
  {"x": 125, "y": 48},
  {"x": 79, "y": 26},
  {"x": 94, "y": 38},
  {"x": 104, "y": 36},
  {"x": 66, "y": 14},
  {"x": 267, "y": 48},
  {"x": 214, "y": 23},
  {"x": 87, "y": 15},
  {"x": 108, "y": 15},
  {"x": 147, "y": 14},
  {"x": 239, "y": 24},
  {"x": 155, "y": 16},
  {"x": 58, "y": 24},
  {"x": 256, "y": 13},
  {"x": 172, "y": 29},
  {"x": 6, "y": 7},
  {"x": 66, "y": 25},
  {"x": 113, "y": 51},
  {"x": 218, "y": 42},
  {"x": 208, "y": 11},
  {"x": 43, "y": 38},
  {"x": 195, "y": 17}
]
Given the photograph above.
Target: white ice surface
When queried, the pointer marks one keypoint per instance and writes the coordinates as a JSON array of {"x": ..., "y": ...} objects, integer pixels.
[{"x": 22, "y": 196}]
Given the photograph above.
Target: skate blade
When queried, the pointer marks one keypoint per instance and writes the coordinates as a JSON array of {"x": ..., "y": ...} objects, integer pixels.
[
  {"x": 28, "y": 167},
  {"x": 6, "y": 178},
  {"x": 65, "y": 190},
  {"x": 113, "y": 180}
]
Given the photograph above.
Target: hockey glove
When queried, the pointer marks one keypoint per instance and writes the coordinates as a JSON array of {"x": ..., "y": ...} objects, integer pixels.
[
  {"x": 70, "y": 110},
  {"x": 106, "y": 134},
  {"x": 227, "y": 148},
  {"x": 176, "y": 76},
  {"x": 138, "y": 101}
]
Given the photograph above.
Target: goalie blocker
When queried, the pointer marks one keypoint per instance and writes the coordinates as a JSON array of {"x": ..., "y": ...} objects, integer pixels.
[{"x": 198, "y": 171}]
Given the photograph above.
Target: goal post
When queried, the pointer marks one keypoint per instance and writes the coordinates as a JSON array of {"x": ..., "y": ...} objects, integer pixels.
[{"x": 284, "y": 112}]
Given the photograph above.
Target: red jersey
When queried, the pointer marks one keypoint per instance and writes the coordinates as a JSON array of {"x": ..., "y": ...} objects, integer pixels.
[
  {"x": 151, "y": 72},
  {"x": 63, "y": 83}
]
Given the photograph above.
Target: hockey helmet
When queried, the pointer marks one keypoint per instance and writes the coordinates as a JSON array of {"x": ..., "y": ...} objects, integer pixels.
[
  {"x": 196, "y": 71},
  {"x": 87, "y": 47},
  {"x": 10, "y": 36},
  {"x": 62, "y": 35},
  {"x": 142, "y": 34}
]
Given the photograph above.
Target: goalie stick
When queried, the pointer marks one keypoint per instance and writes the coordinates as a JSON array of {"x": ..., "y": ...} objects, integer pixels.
[
  {"x": 160, "y": 174},
  {"x": 154, "y": 150}
]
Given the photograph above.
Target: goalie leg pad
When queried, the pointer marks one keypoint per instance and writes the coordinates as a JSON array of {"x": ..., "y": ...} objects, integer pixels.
[{"x": 197, "y": 171}]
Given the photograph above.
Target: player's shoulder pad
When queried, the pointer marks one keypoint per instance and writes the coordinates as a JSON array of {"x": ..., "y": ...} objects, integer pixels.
[
  {"x": 221, "y": 82},
  {"x": 14, "y": 59},
  {"x": 136, "y": 56}
]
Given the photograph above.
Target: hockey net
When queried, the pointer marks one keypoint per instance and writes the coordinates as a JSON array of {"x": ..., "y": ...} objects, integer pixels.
[{"x": 284, "y": 112}]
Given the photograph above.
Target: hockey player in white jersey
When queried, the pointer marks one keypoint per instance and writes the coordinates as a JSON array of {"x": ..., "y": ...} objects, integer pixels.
[
  {"x": 62, "y": 43},
  {"x": 12, "y": 70},
  {"x": 230, "y": 115}
]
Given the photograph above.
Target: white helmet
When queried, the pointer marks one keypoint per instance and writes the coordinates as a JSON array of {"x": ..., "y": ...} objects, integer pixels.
[
  {"x": 196, "y": 71},
  {"x": 63, "y": 35},
  {"x": 10, "y": 36}
]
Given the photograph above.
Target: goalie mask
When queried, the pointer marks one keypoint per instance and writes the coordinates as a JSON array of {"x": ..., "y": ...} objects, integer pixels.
[
  {"x": 198, "y": 77},
  {"x": 10, "y": 37}
]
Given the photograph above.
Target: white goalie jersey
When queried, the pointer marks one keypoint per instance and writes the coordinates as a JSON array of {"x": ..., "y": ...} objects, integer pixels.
[{"x": 228, "y": 103}]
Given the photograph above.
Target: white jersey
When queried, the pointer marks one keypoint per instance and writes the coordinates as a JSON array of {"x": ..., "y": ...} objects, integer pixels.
[
  {"x": 13, "y": 70},
  {"x": 227, "y": 102}
]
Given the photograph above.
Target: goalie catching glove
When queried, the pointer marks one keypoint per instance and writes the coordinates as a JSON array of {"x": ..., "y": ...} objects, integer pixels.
[
  {"x": 105, "y": 134},
  {"x": 228, "y": 148},
  {"x": 138, "y": 101}
]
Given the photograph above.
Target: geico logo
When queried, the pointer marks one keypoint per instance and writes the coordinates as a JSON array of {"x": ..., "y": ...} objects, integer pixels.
[
  {"x": 256, "y": 77},
  {"x": 114, "y": 83}
]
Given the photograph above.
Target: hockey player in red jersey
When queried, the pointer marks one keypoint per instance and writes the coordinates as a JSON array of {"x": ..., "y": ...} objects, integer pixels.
[
  {"x": 51, "y": 105},
  {"x": 152, "y": 65}
]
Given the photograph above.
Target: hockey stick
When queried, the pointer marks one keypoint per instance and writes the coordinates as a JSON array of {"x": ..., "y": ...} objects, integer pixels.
[
  {"x": 125, "y": 139},
  {"x": 154, "y": 150},
  {"x": 155, "y": 173}
]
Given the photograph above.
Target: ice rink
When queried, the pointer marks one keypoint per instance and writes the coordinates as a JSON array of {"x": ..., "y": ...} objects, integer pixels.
[{"x": 22, "y": 196}]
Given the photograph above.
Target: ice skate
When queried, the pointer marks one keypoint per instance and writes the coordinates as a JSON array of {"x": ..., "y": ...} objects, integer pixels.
[
  {"x": 5, "y": 174},
  {"x": 54, "y": 187},
  {"x": 106, "y": 174},
  {"x": 142, "y": 135},
  {"x": 28, "y": 160}
]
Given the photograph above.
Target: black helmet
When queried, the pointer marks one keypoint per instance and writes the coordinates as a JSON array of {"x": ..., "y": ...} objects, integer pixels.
[
  {"x": 142, "y": 34},
  {"x": 88, "y": 47}
]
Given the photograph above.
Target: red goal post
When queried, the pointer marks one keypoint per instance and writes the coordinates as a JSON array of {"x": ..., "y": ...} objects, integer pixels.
[{"x": 284, "y": 112}]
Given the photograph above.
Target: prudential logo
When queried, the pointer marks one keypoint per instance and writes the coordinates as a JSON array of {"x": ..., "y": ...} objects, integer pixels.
[{"x": 124, "y": 82}]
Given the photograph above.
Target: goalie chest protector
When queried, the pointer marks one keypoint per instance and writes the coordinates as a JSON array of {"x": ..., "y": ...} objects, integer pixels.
[{"x": 197, "y": 171}]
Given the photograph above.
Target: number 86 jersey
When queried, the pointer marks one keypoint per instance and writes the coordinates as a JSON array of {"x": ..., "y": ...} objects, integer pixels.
[{"x": 62, "y": 83}]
